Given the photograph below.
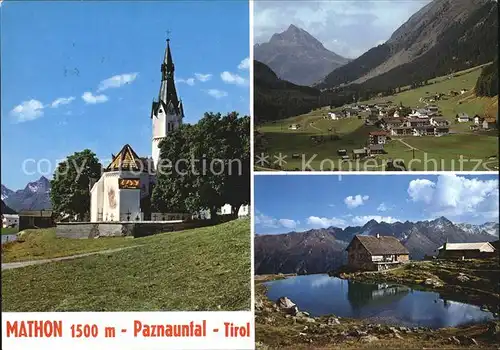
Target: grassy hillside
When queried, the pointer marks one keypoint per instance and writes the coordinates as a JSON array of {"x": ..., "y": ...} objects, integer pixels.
[
  {"x": 201, "y": 269},
  {"x": 352, "y": 133}
]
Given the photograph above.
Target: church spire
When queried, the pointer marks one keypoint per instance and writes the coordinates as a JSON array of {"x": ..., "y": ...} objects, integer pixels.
[{"x": 168, "y": 92}]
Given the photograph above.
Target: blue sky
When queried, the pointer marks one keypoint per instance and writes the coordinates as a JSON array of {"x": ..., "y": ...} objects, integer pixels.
[
  {"x": 299, "y": 202},
  {"x": 79, "y": 75},
  {"x": 337, "y": 24}
]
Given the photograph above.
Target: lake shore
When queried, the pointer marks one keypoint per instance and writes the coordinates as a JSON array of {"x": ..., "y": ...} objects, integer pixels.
[
  {"x": 278, "y": 328},
  {"x": 469, "y": 281}
]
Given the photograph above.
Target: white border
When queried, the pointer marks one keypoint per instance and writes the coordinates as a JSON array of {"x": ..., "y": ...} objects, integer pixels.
[
  {"x": 252, "y": 172},
  {"x": 371, "y": 173}
]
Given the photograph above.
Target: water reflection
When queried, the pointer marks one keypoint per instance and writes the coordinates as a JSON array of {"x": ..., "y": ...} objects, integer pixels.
[{"x": 384, "y": 303}]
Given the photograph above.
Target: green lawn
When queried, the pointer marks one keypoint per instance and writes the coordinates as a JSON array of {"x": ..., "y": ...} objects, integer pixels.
[
  {"x": 354, "y": 134},
  {"x": 9, "y": 230},
  {"x": 43, "y": 244},
  {"x": 200, "y": 269}
]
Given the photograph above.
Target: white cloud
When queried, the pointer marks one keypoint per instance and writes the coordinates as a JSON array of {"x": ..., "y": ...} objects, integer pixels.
[
  {"x": 189, "y": 81},
  {"x": 117, "y": 81},
  {"x": 456, "y": 196},
  {"x": 383, "y": 207},
  {"x": 421, "y": 190},
  {"x": 244, "y": 64},
  {"x": 203, "y": 77},
  {"x": 232, "y": 78},
  {"x": 363, "y": 219},
  {"x": 270, "y": 222},
  {"x": 356, "y": 201},
  {"x": 27, "y": 110},
  {"x": 288, "y": 223},
  {"x": 89, "y": 98},
  {"x": 216, "y": 93},
  {"x": 322, "y": 222},
  {"x": 61, "y": 101}
]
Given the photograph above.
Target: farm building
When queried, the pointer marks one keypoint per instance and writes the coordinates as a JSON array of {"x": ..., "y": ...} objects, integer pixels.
[
  {"x": 376, "y": 253},
  {"x": 359, "y": 153},
  {"x": 36, "y": 219},
  {"x": 10, "y": 220},
  {"x": 377, "y": 137},
  {"x": 489, "y": 123},
  {"x": 376, "y": 149},
  {"x": 466, "y": 250},
  {"x": 294, "y": 127},
  {"x": 462, "y": 117}
]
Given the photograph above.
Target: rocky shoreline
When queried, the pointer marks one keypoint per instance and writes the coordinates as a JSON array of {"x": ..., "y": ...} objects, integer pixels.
[{"x": 281, "y": 325}]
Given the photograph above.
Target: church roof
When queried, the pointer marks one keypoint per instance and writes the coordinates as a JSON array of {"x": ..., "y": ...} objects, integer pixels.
[
  {"x": 168, "y": 93},
  {"x": 127, "y": 159}
]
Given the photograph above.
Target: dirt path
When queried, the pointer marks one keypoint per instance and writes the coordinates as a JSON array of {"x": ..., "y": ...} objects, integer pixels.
[
  {"x": 314, "y": 127},
  {"x": 408, "y": 145},
  {"x": 18, "y": 264}
]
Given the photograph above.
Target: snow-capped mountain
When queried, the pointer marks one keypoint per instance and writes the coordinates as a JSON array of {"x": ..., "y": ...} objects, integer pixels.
[
  {"x": 6, "y": 192},
  {"x": 35, "y": 196},
  {"x": 488, "y": 227}
]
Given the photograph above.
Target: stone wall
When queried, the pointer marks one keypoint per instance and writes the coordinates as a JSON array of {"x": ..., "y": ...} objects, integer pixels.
[{"x": 81, "y": 230}]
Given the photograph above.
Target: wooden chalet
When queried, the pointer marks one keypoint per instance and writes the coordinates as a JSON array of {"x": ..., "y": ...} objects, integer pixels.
[{"x": 376, "y": 253}]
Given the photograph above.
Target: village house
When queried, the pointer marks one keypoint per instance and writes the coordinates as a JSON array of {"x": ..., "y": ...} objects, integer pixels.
[
  {"x": 375, "y": 253},
  {"x": 390, "y": 123},
  {"x": 10, "y": 220},
  {"x": 359, "y": 153},
  {"x": 415, "y": 123},
  {"x": 377, "y": 137},
  {"x": 396, "y": 114},
  {"x": 371, "y": 120},
  {"x": 463, "y": 91},
  {"x": 462, "y": 117},
  {"x": 439, "y": 121},
  {"x": 332, "y": 116},
  {"x": 478, "y": 120},
  {"x": 402, "y": 131},
  {"x": 423, "y": 130},
  {"x": 462, "y": 251},
  {"x": 441, "y": 130},
  {"x": 489, "y": 123},
  {"x": 419, "y": 113},
  {"x": 376, "y": 149},
  {"x": 432, "y": 111},
  {"x": 294, "y": 127}
]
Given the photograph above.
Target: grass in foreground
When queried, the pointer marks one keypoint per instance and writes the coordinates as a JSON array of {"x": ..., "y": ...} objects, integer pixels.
[
  {"x": 200, "y": 269},
  {"x": 9, "y": 230},
  {"x": 43, "y": 244}
]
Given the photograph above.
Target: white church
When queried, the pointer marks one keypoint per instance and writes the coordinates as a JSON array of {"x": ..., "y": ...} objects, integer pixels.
[{"x": 123, "y": 193}]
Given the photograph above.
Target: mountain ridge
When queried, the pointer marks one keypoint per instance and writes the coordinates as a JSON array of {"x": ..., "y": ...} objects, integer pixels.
[
  {"x": 34, "y": 196},
  {"x": 301, "y": 252},
  {"x": 297, "y": 56},
  {"x": 447, "y": 30}
]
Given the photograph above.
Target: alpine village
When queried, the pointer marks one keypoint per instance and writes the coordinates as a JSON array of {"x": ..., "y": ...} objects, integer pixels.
[
  {"x": 429, "y": 92},
  {"x": 380, "y": 111}
]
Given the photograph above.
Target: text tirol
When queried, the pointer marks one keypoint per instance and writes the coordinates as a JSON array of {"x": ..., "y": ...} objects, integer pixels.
[{"x": 191, "y": 329}]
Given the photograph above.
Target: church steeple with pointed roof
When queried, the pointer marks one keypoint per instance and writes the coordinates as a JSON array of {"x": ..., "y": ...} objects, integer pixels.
[
  {"x": 168, "y": 92},
  {"x": 168, "y": 111}
]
